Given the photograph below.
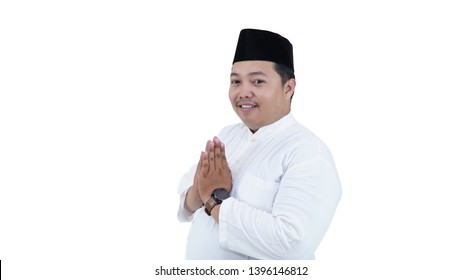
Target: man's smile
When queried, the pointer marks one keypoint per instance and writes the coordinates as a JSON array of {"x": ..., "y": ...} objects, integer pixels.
[{"x": 246, "y": 106}]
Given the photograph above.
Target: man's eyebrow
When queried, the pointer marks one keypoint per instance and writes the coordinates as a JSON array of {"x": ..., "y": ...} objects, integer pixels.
[{"x": 256, "y": 73}]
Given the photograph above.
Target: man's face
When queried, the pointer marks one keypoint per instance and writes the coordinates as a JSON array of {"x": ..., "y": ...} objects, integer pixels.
[{"x": 257, "y": 94}]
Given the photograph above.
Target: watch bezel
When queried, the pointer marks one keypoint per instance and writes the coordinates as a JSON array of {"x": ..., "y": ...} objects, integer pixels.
[{"x": 220, "y": 194}]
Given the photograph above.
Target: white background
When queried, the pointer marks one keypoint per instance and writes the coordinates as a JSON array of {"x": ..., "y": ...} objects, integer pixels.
[{"x": 105, "y": 104}]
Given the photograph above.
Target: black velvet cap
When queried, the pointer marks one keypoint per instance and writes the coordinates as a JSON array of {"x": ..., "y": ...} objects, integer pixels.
[{"x": 254, "y": 44}]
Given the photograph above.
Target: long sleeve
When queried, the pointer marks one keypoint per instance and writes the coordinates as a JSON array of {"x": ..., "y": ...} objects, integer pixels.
[
  {"x": 302, "y": 211},
  {"x": 185, "y": 182}
]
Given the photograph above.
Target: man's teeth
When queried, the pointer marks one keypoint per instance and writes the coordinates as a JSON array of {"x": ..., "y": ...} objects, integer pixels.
[{"x": 248, "y": 106}]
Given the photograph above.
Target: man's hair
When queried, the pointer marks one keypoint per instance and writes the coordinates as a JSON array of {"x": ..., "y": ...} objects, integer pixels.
[{"x": 286, "y": 74}]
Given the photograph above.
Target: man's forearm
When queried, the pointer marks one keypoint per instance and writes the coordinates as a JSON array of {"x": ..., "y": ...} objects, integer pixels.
[{"x": 192, "y": 201}]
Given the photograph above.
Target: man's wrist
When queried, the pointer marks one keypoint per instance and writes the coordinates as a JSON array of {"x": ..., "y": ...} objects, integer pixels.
[
  {"x": 210, "y": 204},
  {"x": 216, "y": 212},
  {"x": 217, "y": 197},
  {"x": 192, "y": 203}
]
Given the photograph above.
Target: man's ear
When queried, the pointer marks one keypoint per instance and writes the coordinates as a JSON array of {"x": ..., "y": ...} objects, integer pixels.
[{"x": 289, "y": 88}]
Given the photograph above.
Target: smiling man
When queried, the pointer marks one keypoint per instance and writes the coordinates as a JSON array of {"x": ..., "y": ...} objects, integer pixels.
[
  {"x": 257, "y": 93},
  {"x": 266, "y": 188}
]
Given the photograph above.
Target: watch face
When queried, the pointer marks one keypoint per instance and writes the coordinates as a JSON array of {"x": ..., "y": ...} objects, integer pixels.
[{"x": 220, "y": 194}]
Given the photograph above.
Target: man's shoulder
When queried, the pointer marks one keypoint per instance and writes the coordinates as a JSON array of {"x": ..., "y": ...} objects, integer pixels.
[
  {"x": 301, "y": 137},
  {"x": 301, "y": 132}
]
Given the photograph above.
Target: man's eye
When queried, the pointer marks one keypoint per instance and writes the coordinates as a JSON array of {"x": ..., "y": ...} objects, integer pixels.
[
  {"x": 257, "y": 82},
  {"x": 235, "y": 82}
]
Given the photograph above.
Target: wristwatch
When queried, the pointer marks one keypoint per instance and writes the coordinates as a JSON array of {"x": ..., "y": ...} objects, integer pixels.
[{"x": 217, "y": 197}]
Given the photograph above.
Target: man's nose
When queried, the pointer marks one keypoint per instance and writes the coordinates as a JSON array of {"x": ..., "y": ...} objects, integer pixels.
[{"x": 246, "y": 91}]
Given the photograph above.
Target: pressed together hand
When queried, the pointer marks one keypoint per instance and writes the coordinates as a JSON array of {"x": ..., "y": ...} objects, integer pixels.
[{"x": 212, "y": 172}]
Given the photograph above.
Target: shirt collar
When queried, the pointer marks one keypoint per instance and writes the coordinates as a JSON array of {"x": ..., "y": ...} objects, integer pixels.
[{"x": 271, "y": 129}]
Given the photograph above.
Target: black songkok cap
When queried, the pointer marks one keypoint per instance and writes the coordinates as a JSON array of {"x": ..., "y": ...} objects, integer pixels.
[{"x": 254, "y": 44}]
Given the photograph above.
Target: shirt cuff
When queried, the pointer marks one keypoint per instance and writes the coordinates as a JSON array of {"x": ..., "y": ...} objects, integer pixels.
[
  {"x": 225, "y": 209},
  {"x": 183, "y": 214}
]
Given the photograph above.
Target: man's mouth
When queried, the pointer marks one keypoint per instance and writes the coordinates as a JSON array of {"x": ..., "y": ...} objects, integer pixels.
[{"x": 247, "y": 106}]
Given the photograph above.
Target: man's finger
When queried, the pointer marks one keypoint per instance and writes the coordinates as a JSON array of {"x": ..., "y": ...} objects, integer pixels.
[
  {"x": 217, "y": 151},
  {"x": 198, "y": 167},
  {"x": 204, "y": 164},
  {"x": 211, "y": 155},
  {"x": 224, "y": 161}
]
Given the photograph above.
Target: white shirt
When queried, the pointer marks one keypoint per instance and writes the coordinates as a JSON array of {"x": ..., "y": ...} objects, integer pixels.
[{"x": 285, "y": 192}]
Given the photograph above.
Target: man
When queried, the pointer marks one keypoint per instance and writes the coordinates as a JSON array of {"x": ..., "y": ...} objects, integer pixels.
[{"x": 274, "y": 190}]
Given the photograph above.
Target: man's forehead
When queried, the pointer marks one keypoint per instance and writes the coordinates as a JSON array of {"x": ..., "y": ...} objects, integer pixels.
[{"x": 252, "y": 68}]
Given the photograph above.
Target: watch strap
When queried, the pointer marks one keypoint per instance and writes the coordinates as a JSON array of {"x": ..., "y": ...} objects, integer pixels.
[{"x": 209, "y": 205}]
